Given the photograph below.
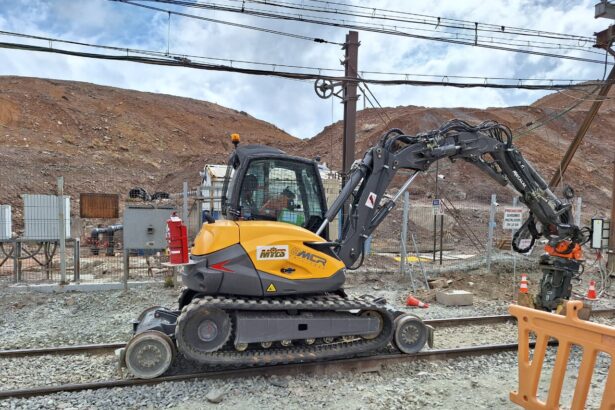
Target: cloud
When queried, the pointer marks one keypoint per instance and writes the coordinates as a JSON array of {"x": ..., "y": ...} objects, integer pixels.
[{"x": 292, "y": 105}]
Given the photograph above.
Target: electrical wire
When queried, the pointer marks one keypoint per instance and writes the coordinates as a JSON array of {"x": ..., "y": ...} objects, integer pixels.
[
  {"x": 470, "y": 25},
  {"x": 228, "y": 23},
  {"x": 350, "y": 25},
  {"x": 475, "y": 28},
  {"x": 158, "y": 58}
]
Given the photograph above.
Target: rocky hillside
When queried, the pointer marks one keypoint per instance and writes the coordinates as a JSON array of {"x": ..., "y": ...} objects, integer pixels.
[
  {"x": 104, "y": 139},
  {"x": 590, "y": 173}
]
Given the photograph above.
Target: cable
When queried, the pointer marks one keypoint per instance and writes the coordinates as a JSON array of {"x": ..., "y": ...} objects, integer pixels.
[
  {"x": 228, "y": 23},
  {"x": 380, "y": 29},
  {"x": 435, "y": 20},
  {"x": 444, "y": 77},
  {"x": 179, "y": 61},
  {"x": 437, "y": 23}
]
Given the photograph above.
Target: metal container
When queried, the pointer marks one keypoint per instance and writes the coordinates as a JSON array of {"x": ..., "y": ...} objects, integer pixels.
[
  {"x": 41, "y": 217},
  {"x": 6, "y": 229},
  {"x": 145, "y": 227}
]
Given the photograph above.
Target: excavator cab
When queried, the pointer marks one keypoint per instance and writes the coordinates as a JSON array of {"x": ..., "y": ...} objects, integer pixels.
[{"x": 266, "y": 184}]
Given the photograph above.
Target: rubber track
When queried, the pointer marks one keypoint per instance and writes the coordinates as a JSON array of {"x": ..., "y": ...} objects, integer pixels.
[{"x": 293, "y": 354}]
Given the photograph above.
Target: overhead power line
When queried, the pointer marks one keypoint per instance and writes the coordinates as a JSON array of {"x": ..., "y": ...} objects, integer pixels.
[
  {"x": 392, "y": 30},
  {"x": 466, "y": 24},
  {"x": 498, "y": 36},
  {"x": 442, "y": 78},
  {"x": 179, "y": 61},
  {"x": 229, "y": 23}
]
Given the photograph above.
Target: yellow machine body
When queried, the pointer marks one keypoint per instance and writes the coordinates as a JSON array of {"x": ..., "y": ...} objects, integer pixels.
[{"x": 275, "y": 248}]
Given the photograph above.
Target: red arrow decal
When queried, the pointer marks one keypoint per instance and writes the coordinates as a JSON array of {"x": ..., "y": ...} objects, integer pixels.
[{"x": 220, "y": 266}]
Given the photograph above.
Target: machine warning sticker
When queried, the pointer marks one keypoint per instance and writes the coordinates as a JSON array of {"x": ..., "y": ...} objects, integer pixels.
[
  {"x": 371, "y": 200},
  {"x": 271, "y": 288},
  {"x": 271, "y": 253}
]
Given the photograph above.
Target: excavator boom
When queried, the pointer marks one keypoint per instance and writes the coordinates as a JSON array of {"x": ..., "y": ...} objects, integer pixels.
[{"x": 487, "y": 146}]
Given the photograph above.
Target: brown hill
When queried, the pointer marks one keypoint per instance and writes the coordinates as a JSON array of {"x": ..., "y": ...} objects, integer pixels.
[
  {"x": 104, "y": 139},
  {"x": 590, "y": 172}
]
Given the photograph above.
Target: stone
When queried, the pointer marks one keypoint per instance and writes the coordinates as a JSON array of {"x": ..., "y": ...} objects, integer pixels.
[
  {"x": 455, "y": 297},
  {"x": 215, "y": 396}
]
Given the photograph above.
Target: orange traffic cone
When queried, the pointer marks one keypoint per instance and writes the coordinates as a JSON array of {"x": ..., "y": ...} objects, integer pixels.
[
  {"x": 412, "y": 301},
  {"x": 523, "y": 287},
  {"x": 591, "y": 292}
]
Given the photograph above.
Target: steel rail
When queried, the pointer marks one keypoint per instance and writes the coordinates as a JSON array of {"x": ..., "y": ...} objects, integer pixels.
[
  {"x": 105, "y": 347},
  {"x": 361, "y": 364}
]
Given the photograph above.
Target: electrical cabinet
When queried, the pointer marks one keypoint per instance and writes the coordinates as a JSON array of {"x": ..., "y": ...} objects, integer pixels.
[
  {"x": 145, "y": 227},
  {"x": 41, "y": 217},
  {"x": 6, "y": 229}
]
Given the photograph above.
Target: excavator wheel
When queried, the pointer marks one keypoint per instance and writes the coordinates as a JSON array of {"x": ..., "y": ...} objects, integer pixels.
[
  {"x": 411, "y": 334},
  {"x": 149, "y": 354},
  {"x": 201, "y": 330}
]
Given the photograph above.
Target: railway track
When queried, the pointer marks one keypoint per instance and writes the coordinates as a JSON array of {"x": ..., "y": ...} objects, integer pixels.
[
  {"x": 105, "y": 348},
  {"x": 366, "y": 363},
  {"x": 357, "y": 364}
]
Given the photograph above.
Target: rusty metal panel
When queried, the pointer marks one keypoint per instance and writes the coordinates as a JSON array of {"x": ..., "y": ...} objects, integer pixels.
[{"x": 99, "y": 205}]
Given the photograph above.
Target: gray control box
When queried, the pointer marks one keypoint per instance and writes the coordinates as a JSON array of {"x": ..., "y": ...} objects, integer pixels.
[{"x": 145, "y": 227}]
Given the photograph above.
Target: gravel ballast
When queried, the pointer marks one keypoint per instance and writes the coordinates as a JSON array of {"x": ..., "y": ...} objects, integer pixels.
[{"x": 43, "y": 320}]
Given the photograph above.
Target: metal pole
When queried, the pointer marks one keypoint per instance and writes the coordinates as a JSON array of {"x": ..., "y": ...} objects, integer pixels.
[
  {"x": 17, "y": 260},
  {"x": 185, "y": 203},
  {"x": 126, "y": 258},
  {"x": 435, "y": 235},
  {"x": 404, "y": 234},
  {"x": 76, "y": 259},
  {"x": 587, "y": 121},
  {"x": 62, "y": 230},
  {"x": 611, "y": 258},
  {"x": 512, "y": 234},
  {"x": 351, "y": 46},
  {"x": 577, "y": 215},
  {"x": 441, "y": 236},
  {"x": 491, "y": 228}
]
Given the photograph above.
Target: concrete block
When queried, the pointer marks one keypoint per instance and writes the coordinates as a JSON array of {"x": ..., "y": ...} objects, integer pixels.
[{"x": 454, "y": 297}]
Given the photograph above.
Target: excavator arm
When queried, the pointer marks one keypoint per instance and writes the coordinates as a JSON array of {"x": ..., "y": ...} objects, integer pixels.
[{"x": 489, "y": 147}]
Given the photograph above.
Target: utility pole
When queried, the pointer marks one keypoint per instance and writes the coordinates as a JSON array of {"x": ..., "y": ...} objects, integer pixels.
[
  {"x": 351, "y": 60},
  {"x": 604, "y": 40}
]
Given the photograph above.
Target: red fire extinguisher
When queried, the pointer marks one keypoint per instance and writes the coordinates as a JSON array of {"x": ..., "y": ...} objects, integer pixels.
[{"x": 177, "y": 239}]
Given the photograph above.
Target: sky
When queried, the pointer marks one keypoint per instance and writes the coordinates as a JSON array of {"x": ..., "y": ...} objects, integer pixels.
[{"x": 290, "y": 104}]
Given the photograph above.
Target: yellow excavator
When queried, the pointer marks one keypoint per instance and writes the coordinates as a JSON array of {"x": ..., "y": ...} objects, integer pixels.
[{"x": 265, "y": 285}]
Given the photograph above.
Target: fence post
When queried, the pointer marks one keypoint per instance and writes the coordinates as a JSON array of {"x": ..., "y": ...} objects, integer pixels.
[
  {"x": 185, "y": 203},
  {"x": 512, "y": 235},
  {"x": 76, "y": 260},
  {"x": 404, "y": 234},
  {"x": 17, "y": 260},
  {"x": 491, "y": 228},
  {"x": 62, "y": 230},
  {"x": 577, "y": 215}
]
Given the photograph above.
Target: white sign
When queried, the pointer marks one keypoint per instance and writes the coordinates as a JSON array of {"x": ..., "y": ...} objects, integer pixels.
[
  {"x": 513, "y": 218},
  {"x": 371, "y": 200},
  {"x": 436, "y": 205}
]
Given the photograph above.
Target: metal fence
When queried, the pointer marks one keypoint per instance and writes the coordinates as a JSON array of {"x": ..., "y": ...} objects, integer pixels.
[
  {"x": 46, "y": 237},
  {"x": 115, "y": 237}
]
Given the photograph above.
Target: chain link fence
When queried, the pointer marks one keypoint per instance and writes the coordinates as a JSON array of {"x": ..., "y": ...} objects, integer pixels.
[{"x": 91, "y": 229}]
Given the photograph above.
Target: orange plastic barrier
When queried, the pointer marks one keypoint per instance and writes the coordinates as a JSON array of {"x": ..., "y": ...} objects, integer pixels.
[{"x": 568, "y": 330}]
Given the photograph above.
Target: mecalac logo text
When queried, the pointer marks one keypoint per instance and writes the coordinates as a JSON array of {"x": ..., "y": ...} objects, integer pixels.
[
  {"x": 274, "y": 252},
  {"x": 318, "y": 260}
]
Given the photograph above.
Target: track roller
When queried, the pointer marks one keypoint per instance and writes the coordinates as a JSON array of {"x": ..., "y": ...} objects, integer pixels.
[
  {"x": 149, "y": 354},
  {"x": 411, "y": 334},
  {"x": 201, "y": 330}
]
